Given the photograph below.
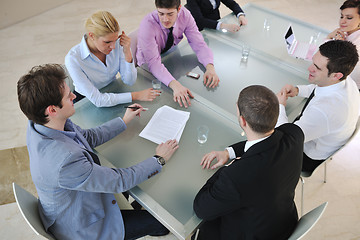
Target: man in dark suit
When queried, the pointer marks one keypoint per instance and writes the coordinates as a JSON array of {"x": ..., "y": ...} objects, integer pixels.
[
  {"x": 206, "y": 14},
  {"x": 252, "y": 197}
]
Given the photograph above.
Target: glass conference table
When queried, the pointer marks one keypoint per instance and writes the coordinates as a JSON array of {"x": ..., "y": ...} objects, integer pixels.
[
  {"x": 169, "y": 195},
  {"x": 265, "y": 32}
]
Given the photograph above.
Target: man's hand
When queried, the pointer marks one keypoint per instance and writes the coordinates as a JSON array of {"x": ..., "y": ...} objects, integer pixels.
[
  {"x": 125, "y": 42},
  {"x": 285, "y": 92},
  {"x": 242, "y": 20},
  {"x": 230, "y": 27},
  {"x": 145, "y": 95},
  {"x": 290, "y": 90},
  {"x": 167, "y": 149},
  {"x": 181, "y": 94},
  {"x": 221, "y": 156},
  {"x": 131, "y": 113},
  {"x": 211, "y": 79},
  {"x": 282, "y": 97}
]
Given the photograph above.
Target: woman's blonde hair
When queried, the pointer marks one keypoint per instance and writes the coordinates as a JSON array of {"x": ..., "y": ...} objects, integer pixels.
[{"x": 101, "y": 23}]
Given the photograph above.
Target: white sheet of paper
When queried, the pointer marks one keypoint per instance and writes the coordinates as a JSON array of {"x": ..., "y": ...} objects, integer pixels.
[{"x": 167, "y": 123}]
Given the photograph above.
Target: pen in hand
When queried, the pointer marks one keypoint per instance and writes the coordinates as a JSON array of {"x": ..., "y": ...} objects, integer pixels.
[{"x": 136, "y": 108}]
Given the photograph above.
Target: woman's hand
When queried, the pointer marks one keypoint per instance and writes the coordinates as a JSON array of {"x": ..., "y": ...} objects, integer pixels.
[
  {"x": 145, "y": 95},
  {"x": 125, "y": 42}
]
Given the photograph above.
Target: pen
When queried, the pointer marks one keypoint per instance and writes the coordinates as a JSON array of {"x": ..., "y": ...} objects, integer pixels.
[{"x": 136, "y": 108}]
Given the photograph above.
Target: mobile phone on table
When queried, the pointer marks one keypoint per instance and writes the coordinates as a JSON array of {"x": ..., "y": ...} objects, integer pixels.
[{"x": 193, "y": 75}]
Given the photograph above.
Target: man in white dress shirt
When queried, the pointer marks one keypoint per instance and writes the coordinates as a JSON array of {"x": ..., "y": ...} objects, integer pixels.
[{"x": 329, "y": 119}]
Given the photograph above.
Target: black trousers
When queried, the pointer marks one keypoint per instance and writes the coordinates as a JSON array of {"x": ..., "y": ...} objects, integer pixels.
[
  {"x": 310, "y": 164},
  {"x": 139, "y": 223}
]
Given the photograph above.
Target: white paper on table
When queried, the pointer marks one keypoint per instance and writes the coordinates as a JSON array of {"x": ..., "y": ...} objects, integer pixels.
[{"x": 166, "y": 123}]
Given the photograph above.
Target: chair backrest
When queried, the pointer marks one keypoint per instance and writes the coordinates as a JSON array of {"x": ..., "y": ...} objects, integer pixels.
[
  {"x": 307, "y": 222},
  {"x": 28, "y": 206},
  {"x": 133, "y": 45},
  {"x": 357, "y": 127}
]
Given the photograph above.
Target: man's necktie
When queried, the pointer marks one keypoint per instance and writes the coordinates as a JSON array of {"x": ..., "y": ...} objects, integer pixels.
[
  {"x": 170, "y": 41},
  {"x": 307, "y": 102},
  {"x": 94, "y": 157}
]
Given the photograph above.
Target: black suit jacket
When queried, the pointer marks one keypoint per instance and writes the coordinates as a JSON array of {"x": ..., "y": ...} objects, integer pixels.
[
  {"x": 253, "y": 198},
  {"x": 204, "y": 14}
]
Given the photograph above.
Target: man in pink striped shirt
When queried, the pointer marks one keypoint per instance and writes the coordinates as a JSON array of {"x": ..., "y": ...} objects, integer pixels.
[{"x": 153, "y": 33}]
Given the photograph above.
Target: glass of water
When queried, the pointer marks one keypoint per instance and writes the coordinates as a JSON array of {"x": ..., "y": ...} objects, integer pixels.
[
  {"x": 156, "y": 84},
  {"x": 267, "y": 24},
  {"x": 202, "y": 133},
  {"x": 245, "y": 53},
  {"x": 314, "y": 37}
]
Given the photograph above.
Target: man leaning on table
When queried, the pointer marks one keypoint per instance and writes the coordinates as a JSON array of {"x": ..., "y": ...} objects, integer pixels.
[
  {"x": 252, "y": 197},
  {"x": 329, "y": 116},
  {"x": 76, "y": 198},
  {"x": 162, "y": 29}
]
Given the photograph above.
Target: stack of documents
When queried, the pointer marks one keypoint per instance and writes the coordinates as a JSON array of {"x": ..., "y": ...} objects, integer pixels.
[{"x": 166, "y": 124}]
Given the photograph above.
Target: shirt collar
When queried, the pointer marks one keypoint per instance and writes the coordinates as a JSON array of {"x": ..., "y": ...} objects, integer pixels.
[
  {"x": 84, "y": 49},
  {"x": 332, "y": 88},
  {"x": 69, "y": 131},
  {"x": 249, "y": 144},
  {"x": 352, "y": 37}
]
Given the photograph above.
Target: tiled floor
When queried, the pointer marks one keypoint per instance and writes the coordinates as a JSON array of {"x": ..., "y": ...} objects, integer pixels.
[{"x": 47, "y": 37}]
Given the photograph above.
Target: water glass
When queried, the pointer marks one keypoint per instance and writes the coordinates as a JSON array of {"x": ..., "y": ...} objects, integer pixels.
[
  {"x": 266, "y": 24},
  {"x": 245, "y": 53},
  {"x": 314, "y": 37},
  {"x": 202, "y": 133},
  {"x": 156, "y": 84}
]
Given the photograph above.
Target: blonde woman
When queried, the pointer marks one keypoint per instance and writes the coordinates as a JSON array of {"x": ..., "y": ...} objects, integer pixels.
[
  {"x": 349, "y": 30},
  {"x": 96, "y": 60}
]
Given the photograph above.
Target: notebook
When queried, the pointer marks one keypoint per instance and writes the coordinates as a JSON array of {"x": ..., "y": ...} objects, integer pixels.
[{"x": 298, "y": 49}]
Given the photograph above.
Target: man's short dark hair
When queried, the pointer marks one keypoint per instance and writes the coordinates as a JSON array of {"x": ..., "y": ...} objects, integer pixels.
[
  {"x": 260, "y": 108},
  {"x": 167, "y": 3},
  {"x": 43, "y": 86},
  {"x": 342, "y": 56}
]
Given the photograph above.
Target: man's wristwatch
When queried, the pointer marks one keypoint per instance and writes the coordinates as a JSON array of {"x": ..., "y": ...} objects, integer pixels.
[{"x": 160, "y": 160}]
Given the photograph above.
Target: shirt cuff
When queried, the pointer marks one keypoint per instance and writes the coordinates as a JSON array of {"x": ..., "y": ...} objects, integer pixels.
[
  {"x": 240, "y": 14},
  {"x": 282, "y": 119},
  {"x": 231, "y": 152},
  {"x": 125, "y": 98},
  {"x": 282, "y": 109},
  {"x": 218, "y": 26}
]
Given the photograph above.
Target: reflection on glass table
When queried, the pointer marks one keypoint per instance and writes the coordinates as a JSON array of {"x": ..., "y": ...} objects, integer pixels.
[
  {"x": 265, "y": 32},
  {"x": 234, "y": 75}
]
